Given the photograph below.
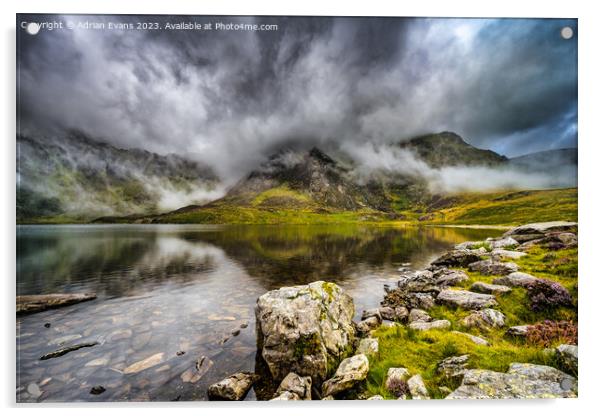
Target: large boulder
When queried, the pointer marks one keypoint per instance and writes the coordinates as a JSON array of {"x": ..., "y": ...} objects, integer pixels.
[
  {"x": 232, "y": 388},
  {"x": 491, "y": 267},
  {"x": 350, "y": 372},
  {"x": 465, "y": 299},
  {"x": 305, "y": 329},
  {"x": 456, "y": 258},
  {"x": 522, "y": 381},
  {"x": 542, "y": 228}
]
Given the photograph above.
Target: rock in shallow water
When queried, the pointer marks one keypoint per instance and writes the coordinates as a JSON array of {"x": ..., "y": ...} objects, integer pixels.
[
  {"x": 232, "y": 388},
  {"x": 305, "y": 329},
  {"x": 350, "y": 372},
  {"x": 39, "y": 303},
  {"x": 522, "y": 381}
]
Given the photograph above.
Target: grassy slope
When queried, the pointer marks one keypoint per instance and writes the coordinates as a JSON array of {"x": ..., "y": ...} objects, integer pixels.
[{"x": 421, "y": 351}]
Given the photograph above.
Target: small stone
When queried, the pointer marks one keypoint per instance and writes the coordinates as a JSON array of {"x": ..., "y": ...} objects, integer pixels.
[
  {"x": 244, "y": 325},
  {"x": 507, "y": 254},
  {"x": 417, "y": 388},
  {"x": 398, "y": 314},
  {"x": 297, "y": 387},
  {"x": 180, "y": 353},
  {"x": 97, "y": 390},
  {"x": 477, "y": 340},
  {"x": 518, "y": 331},
  {"x": 446, "y": 277},
  {"x": 425, "y": 326},
  {"x": 456, "y": 258},
  {"x": 371, "y": 313},
  {"x": 328, "y": 398},
  {"x": 47, "y": 325},
  {"x": 148, "y": 362},
  {"x": 484, "y": 319},
  {"x": 99, "y": 362},
  {"x": 502, "y": 242},
  {"x": 396, "y": 377},
  {"x": 236, "y": 332},
  {"x": 453, "y": 368},
  {"x": 376, "y": 397},
  {"x": 34, "y": 390}
]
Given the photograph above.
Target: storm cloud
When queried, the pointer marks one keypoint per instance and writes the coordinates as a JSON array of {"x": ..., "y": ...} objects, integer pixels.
[{"x": 229, "y": 98}]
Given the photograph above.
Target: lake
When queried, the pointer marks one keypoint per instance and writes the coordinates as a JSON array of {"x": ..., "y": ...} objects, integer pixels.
[{"x": 174, "y": 293}]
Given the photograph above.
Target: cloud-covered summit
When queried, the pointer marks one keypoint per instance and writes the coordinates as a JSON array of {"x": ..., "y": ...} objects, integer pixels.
[{"x": 231, "y": 98}]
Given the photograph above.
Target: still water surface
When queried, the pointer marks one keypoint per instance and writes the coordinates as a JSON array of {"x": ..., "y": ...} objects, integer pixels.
[{"x": 178, "y": 292}]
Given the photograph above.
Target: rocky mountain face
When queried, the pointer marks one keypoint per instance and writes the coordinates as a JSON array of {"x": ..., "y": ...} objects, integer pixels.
[{"x": 77, "y": 177}]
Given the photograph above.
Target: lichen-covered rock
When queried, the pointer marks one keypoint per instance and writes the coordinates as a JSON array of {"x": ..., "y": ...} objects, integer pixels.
[
  {"x": 568, "y": 357},
  {"x": 477, "y": 340},
  {"x": 418, "y": 315},
  {"x": 445, "y": 277},
  {"x": 417, "y": 388},
  {"x": 232, "y": 388},
  {"x": 456, "y": 258},
  {"x": 465, "y": 299},
  {"x": 397, "y": 314},
  {"x": 453, "y": 368},
  {"x": 368, "y": 346},
  {"x": 409, "y": 300},
  {"x": 493, "y": 268},
  {"x": 294, "y": 387},
  {"x": 418, "y": 281},
  {"x": 522, "y": 381},
  {"x": 482, "y": 287},
  {"x": 304, "y": 329},
  {"x": 484, "y": 319},
  {"x": 425, "y": 326},
  {"x": 516, "y": 279},
  {"x": 350, "y": 372}
]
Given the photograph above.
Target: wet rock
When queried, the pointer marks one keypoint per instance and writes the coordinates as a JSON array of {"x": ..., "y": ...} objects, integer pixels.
[
  {"x": 304, "y": 329},
  {"x": 142, "y": 365},
  {"x": 367, "y": 325},
  {"x": 516, "y": 279},
  {"x": 119, "y": 335},
  {"x": 493, "y": 268},
  {"x": 482, "y": 287},
  {"x": 38, "y": 303},
  {"x": 568, "y": 357},
  {"x": 418, "y": 315},
  {"x": 98, "y": 362},
  {"x": 425, "y": 326},
  {"x": 417, "y": 388},
  {"x": 368, "y": 346},
  {"x": 465, "y": 299},
  {"x": 456, "y": 258},
  {"x": 66, "y": 350},
  {"x": 294, "y": 387},
  {"x": 34, "y": 390},
  {"x": 244, "y": 325},
  {"x": 477, "y": 340},
  {"x": 236, "y": 332},
  {"x": 518, "y": 331},
  {"x": 232, "y": 388},
  {"x": 96, "y": 390},
  {"x": 201, "y": 367},
  {"x": 522, "y": 381},
  {"x": 350, "y": 372},
  {"x": 453, "y": 368},
  {"x": 398, "y": 314},
  {"x": 484, "y": 319}
]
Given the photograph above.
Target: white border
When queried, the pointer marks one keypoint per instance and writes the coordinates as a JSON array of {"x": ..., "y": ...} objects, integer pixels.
[{"x": 590, "y": 128}]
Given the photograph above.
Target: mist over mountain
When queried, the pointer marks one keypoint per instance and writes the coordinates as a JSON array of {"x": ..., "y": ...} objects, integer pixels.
[{"x": 80, "y": 177}]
